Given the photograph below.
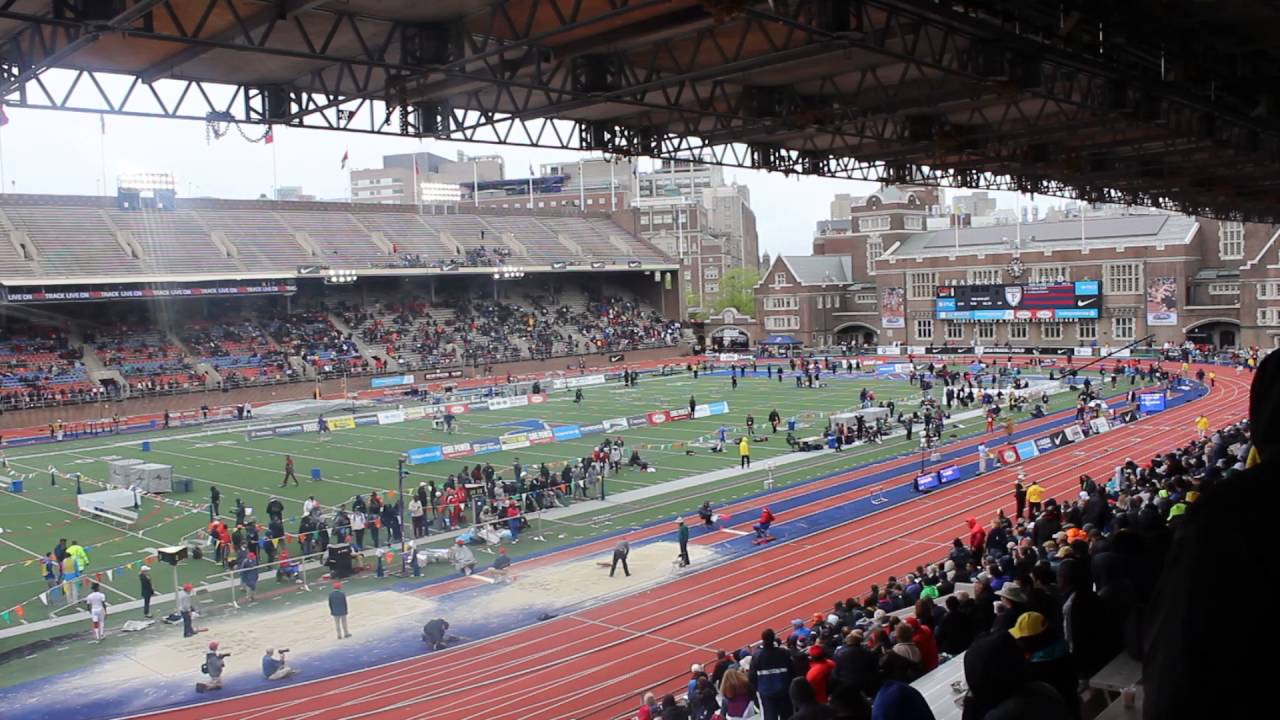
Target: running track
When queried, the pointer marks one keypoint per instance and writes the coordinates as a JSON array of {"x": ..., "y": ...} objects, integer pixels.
[{"x": 594, "y": 664}]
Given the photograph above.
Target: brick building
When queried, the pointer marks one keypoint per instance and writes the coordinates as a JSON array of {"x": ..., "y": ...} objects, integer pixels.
[{"x": 1209, "y": 281}]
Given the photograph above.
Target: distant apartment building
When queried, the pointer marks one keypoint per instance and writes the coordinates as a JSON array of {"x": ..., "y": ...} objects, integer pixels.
[
  {"x": 438, "y": 179},
  {"x": 708, "y": 224}
]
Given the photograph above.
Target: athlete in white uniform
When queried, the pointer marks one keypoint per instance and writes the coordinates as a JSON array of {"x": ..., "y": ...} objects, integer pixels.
[{"x": 97, "y": 603}]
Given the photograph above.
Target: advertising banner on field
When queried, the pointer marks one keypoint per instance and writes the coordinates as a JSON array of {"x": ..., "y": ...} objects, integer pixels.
[
  {"x": 391, "y": 417},
  {"x": 341, "y": 422},
  {"x": 577, "y": 382},
  {"x": 419, "y": 456},
  {"x": 678, "y": 414},
  {"x": 659, "y": 418},
  {"x": 456, "y": 450},
  {"x": 717, "y": 408},
  {"x": 567, "y": 432},
  {"x": 484, "y": 446},
  {"x": 636, "y": 421},
  {"x": 541, "y": 437},
  {"x": 503, "y": 403},
  {"x": 893, "y": 308},
  {"x": 1100, "y": 425},
  {"x": 1151, "y": 402},
  {"x": 1008, "y": 454},
  {"x": 1027, "y": 449},
  {"x": 592, "y": 429},
  {"x": 615, "y": 424},
  {"x": 391, "y": 381},
  {"x": 1162, "y": 301},
  {"x": 1073, "y": 433},
  {"x": 515, "y": 441}
]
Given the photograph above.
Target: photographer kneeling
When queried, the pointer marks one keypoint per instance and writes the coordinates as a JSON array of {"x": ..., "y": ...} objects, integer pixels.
[
  {"x": 213, "y": 665},
  {"x": 276, "y": 669}
]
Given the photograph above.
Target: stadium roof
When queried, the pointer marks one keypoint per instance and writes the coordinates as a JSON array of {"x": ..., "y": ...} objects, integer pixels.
[
  {"x": 1164, "y": 102},
  {"x": 1126, "y": 230}
]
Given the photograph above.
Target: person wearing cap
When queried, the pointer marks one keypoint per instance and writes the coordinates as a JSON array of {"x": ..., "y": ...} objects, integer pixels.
[
  {"x": 799, "y": 631},
  {"x": 213, "y": 666},
  {"x": 463, "y": 560},
  {"x": 148, "y": 590},
  {"x": 184, "y": 608},
  {"x": 819, "y": 674},
  {"x": 1013, "y": 603},
  {"x": 695, "y": 672},
  {"x": 766, "y": 520},
  {"x": 1047, "y": 656},
  {"x": 502, "y": 566},
  {"x": 274, "y": 668},
  {"x": 682, "y": 536},
  {"x": 338, "y": 609}
]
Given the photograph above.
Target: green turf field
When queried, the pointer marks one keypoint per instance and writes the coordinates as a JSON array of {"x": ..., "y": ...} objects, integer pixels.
[{"x": 360, "y": 459}]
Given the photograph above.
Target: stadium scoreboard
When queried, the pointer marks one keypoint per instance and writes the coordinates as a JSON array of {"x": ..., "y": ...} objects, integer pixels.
[{"x": 1060, "y": 301}]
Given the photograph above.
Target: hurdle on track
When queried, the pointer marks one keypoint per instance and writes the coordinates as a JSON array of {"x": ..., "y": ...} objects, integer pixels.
[{"x": 876, "y": 495}]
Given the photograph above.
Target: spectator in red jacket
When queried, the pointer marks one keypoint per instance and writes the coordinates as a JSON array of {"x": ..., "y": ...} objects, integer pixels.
[
  {"x": 820, "y": 669},
  {"x": 762, "y": 527},
  {"x": 924, "y": 640},
  {"x": 977, "y": 537}
]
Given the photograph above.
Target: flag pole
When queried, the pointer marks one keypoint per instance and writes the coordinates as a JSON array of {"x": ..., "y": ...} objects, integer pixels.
[
  {"x": 613, "y": 194},
  {"x": 582, "y": 190},
  {"x": 3, "y": 183},
  {"x": 102, "y": 150},
  {"x": 275, "y": 176},
  {"x": 475, "y": 184}
]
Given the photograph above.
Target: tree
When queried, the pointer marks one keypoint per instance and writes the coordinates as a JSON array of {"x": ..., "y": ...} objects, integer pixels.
[{"x": 736, "y": 290}]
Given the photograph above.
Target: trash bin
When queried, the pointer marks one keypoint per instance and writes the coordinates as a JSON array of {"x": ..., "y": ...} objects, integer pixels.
[
  {"x": 146, "y": 446},
  {"x": 182, "y": 484},
  {"x": 15, "y": 486},
  {"x": 315, "y": 473}
]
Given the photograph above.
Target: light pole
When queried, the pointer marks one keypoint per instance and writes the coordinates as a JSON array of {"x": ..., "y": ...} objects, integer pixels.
[{"x": 400, "y": 473}]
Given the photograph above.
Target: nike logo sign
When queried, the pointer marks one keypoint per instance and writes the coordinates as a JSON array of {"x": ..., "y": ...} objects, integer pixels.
[{"x": 1086, "y": 302}]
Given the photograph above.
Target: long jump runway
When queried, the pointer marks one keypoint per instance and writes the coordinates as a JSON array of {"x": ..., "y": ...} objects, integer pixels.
[{"x": 593, "y": 664}]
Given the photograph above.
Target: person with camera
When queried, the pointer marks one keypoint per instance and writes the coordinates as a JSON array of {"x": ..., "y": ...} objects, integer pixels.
[
  {"x": 275, "y": 668},
  {"x": 213, "y": 666}
]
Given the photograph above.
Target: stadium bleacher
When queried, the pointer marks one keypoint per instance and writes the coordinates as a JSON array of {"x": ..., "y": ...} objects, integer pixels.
[
  {"x": 1027, "y": 616},
  {"x": 37, "y": 363},
  {"x": 71, "y": 236},
  {"x": 173, "y": 241},
  {"x": 73, "y": 240}
]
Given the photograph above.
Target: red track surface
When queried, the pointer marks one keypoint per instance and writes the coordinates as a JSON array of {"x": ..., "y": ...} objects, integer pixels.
[{"x": 593, "y": 664}]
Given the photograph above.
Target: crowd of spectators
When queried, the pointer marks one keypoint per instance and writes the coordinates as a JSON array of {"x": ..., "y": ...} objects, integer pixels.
[
  {"x": 1039, "y": 597},
  {"x": 145, "y": 358},
  {"x": 313, "y": 337},
  {"x": 38, "y": 365},
  {"x": 616, "y": 323}
]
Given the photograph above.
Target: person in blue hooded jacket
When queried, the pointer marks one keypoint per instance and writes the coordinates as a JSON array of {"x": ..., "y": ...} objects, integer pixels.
[{"x": 770, "y": 677}]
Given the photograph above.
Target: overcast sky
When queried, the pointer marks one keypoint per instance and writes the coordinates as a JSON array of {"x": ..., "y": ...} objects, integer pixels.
[{"x": 57, "y": 152}]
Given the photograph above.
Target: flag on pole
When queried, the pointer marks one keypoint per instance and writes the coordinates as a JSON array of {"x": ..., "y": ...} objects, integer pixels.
[
  {"x": 102, "y": 123},
  {"x": 270, "y": 136},
  {"x": 346, "y": 155}
]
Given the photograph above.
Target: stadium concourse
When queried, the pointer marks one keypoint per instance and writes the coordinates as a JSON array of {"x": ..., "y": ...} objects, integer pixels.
[{"x": 833, "y": 542}]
